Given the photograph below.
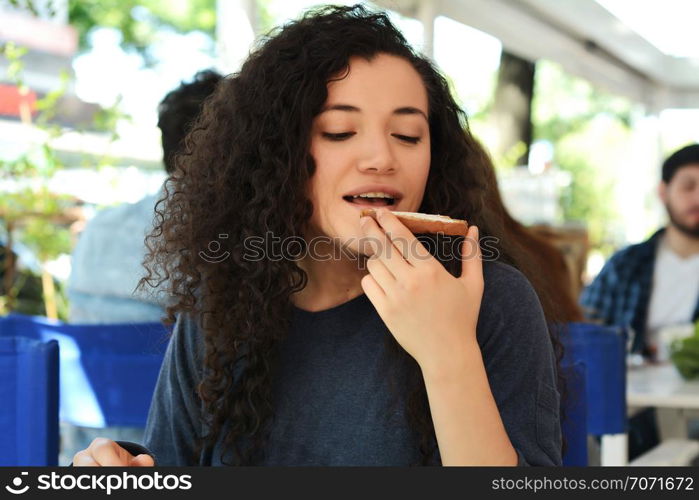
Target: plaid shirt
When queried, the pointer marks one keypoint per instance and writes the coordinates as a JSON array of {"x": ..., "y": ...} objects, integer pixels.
[{"x": 620, "y": 295}]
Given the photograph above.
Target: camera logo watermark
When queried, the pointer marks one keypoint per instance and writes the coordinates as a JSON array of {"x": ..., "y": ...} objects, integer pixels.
[
  {"x": 107, "y": 483},
  {"x": 16, "y": 488},
  {"x": 214, "y": 247}
]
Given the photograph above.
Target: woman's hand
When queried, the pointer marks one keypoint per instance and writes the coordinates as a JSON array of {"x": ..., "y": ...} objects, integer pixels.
[
  {"x": 105, "y": 452},
  {"x": 432, "y": 314}
]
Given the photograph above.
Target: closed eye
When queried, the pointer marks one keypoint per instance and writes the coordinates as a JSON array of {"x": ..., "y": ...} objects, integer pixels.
[
  {"x": 338, "y": 137},
  {"x": 407, "y": 138},
  {"x": 346, "y": 135}
]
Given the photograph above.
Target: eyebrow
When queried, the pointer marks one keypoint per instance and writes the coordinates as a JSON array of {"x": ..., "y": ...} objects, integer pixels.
[{"x": 406, "y": 110}]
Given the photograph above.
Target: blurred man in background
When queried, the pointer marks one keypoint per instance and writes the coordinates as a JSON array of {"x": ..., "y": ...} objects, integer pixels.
[
  {"x": 107, "y": 260},
  {"x": 655, "y": 284}
]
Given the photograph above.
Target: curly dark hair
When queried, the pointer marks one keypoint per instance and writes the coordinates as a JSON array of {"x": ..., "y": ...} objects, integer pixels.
[
  {"x": 179, "y": 109},
  {"x": 245, "y": 173}
]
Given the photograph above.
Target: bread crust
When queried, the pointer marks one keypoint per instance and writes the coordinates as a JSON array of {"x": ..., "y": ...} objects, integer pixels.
[{"x": 416, "y": 222}]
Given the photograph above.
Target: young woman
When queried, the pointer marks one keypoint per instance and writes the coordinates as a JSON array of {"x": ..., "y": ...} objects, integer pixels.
[{"x": 314, "y": 336}]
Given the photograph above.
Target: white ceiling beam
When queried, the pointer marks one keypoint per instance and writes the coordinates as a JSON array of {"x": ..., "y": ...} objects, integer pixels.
[
  {"x": 632, "y": 71},
  {"x": 588, "y": 20},
  {"x": 427, "y": 13}
]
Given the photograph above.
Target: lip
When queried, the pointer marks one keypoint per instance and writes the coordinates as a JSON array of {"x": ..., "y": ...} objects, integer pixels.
[
  {"x": 369, "y": 188},
  {"x": 362, "y": 206}
]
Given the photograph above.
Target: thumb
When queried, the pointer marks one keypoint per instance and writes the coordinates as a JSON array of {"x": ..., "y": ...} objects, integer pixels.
[
  {"x": 142, "y": 460},
  {"x": 471, "y": 258}
]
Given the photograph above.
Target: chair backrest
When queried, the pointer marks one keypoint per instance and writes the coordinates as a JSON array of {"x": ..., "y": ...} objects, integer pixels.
[
  {"x": 603, "y": 351},
  {"x": 29, "y": 408},
  {"x": 108, "y": 372},
  {"x": 574, "y": 406}
]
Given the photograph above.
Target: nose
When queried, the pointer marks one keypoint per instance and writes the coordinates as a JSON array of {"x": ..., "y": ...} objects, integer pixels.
[{"x": 377, "y": 156}]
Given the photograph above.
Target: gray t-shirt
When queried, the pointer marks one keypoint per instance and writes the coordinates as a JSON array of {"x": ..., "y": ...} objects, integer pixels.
[{"x": 335, "y": 397}]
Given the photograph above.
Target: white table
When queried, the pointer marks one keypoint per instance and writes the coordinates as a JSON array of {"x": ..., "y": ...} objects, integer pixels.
[{"x": 662, "y": 387}]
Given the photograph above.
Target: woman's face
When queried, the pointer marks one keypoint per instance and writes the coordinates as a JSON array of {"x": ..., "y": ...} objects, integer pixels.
[{"x": 372, "y": 138}]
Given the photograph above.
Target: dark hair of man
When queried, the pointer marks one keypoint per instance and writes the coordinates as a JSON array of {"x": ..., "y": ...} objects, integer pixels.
[
  {"x": 178, "y": 110},
  {"x": 688, "y": 155}
]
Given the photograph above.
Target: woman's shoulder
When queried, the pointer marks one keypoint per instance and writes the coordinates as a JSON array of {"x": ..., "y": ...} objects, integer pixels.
[
  {"x": 508, "y": 297},
  {"x": 188, "y": 337},
  {"x": 503, "y": 280},
  {"x": 189, "y": 341}
]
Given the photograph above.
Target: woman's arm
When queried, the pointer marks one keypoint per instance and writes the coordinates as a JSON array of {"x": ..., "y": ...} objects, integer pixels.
[
  {"x": 174, "y": 415},
  {"x": 466, "y": 419},
  {"x": 174, "y": 419},
  {"x": 499, "y": 394}
]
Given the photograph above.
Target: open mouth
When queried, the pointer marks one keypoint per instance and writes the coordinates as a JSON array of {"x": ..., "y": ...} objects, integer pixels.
[{"x": 371, "y": 199}]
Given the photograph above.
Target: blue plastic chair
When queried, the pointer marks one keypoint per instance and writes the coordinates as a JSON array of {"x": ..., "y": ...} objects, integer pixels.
[
  {"x": 603, "y": 351},
  {"x": 107, "y": 373},
  {"x": 574, "y": 425},
  {"x": 29, "y": 395}
]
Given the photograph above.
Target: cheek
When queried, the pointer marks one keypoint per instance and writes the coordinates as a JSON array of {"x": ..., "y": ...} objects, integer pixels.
[
  {"x": 320, "y": 180},
  {"x": 425, "y": 156},
  {"x": 419, "y": 170},
  {"x": 681, "y": 198},
  {"x": 322, "y": 185},
  {"x": 427, "y": 160},
  {"x": 323, "y": 192}
]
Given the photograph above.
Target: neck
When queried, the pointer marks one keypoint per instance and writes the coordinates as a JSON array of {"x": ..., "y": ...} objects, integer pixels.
[
  {"x": 681, "y": 243},
  {"x": 331, "y": 282}
]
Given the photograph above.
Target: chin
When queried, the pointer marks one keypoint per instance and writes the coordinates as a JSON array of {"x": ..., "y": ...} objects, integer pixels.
[
  {"x": 338, "y": 241},
  {"x": 350, "y": 244}
]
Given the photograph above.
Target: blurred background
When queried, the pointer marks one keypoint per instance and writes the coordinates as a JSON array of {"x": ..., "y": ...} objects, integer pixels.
[{"x": 578, "y": 101}]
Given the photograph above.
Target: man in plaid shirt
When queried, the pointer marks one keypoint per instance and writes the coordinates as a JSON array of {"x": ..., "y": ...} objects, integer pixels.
[{"x": 656, "y": 283}]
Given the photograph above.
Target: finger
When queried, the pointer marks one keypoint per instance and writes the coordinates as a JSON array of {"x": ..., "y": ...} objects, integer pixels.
[
  {"x": 107, "y": 453},
  {"x": 471, "y": 258},
  {"x": 385, "y": 250},
  {"x": 84, "y": 459},
  {"x": 374, "y": 239},
  {"x": 373, "y": 290},
  {"x": 142, "y": 460},
  {"x": 380, "y": 273},
  {"x": 402, "y": 238}
]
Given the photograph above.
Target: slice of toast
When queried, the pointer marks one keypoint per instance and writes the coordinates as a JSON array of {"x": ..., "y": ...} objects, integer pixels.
[{"x": 426, "y": 223}]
